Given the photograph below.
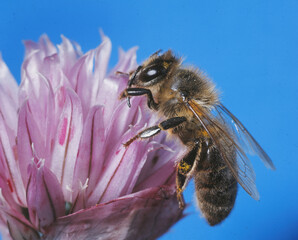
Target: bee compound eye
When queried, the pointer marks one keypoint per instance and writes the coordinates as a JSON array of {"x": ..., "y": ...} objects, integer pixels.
[{"x": 153, "y": 72}]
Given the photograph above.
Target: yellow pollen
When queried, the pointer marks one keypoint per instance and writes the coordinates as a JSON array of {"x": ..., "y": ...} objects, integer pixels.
[{"x": 184, "y": 167}]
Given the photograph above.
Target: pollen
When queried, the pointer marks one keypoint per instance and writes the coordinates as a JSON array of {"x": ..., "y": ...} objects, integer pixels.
[{"x": 184, "y": 168}]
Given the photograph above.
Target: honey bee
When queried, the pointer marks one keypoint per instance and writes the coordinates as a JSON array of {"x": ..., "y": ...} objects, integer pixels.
[{"x": 216, "y": 140}]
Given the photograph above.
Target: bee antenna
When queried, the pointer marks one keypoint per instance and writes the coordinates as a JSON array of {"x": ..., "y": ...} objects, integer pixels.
[
  {"x": 122, "y": 73},
  {"x": 156, "y": 53},
  {"x": 131, "y": 80}
]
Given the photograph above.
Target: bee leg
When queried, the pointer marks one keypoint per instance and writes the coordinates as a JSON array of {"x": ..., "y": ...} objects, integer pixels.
[
  {"x": 151, "y": 131},
  {"x": 183, "y": 172},
  {"x": 122, "y": 73},
  {"x": 129, "y": 92},
  {"x": 180, "y": 182}
]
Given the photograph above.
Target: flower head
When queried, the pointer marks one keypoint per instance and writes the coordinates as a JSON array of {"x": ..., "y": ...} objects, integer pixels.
[{"x": 64, "y": 170}]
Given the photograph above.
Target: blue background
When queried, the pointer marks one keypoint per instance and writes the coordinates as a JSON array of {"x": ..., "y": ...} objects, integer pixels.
[{"x": 250, "y": 50}]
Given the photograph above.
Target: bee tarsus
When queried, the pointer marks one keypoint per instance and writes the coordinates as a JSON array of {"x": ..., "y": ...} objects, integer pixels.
[{"x": 151, "y": 131}]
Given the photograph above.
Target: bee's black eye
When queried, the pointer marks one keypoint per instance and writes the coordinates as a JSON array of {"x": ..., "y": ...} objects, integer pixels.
[{"x": 152, "y": 72}]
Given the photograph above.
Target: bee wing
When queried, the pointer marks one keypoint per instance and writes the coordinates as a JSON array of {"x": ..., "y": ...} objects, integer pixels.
[
  {"x": 224, "y": 135},
  {"x": 242, "y": 135}
]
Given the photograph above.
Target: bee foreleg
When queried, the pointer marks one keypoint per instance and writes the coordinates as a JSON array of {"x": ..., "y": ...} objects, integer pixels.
[
  {"x": 184, "y": 172},
  {"x": 151, "y": 131},
  {"x": 129, "y": 92}
]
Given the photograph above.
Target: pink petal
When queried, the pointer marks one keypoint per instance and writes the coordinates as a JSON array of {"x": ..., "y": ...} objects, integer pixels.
[
  {"x": 10, "y": 167},
  {"x": 127, "y": 61},
  {"x": 7, "y": 194},
  {"x": 45, "y": 61},
  {"x": 24, "y": 142},
  {"x": 90, "y": 157},
  {"x": 34, "y": 58},
  {"x": 84, "y": 80},
  {"x": 44, "y": 195},
  {"x": 30, "y": 134},
  {"x": 119, "y": 175},
  {"x": 66, "y": 142},
  {"x": 161, "y": 163},
  {"x": 153, "y": 211},
  {"x": 112, "y": 85},
  {"x": 52, "y": 70},
  {"x": 86, "y": 83},
  {"x": 8, "y": 97},
  {"x": 3, "y": 228},
  {"x": 119, "y": 172},
  {"x": 119, "y": 122},
  {"x": 108, "y": 95},
  {"x": 19, "y": 227},
  {"x": 39, "y": 111},
  {"x": 161, "y": 176},
  {"x": 137, "y": 168},
  {"x": 44, "y": 45},
  {"x": 68, "y": 54},
  {"x": 8, "y": 109},
  {"x": 75, "y": 71},
  {"x": 101, "y": 61},
  {"x": 8, "y": 83}
]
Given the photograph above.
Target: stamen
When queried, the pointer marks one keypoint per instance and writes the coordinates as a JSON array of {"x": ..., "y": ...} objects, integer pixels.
[{"x": 85, "y": 185}]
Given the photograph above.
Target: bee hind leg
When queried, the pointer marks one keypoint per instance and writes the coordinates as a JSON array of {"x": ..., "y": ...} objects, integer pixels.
[
  {"x": 184, "y": 172},
  {"x": 151, "y": 131}
]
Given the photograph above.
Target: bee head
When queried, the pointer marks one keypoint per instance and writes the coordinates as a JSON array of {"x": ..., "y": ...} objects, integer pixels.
[{"x": 155, "y": 69}]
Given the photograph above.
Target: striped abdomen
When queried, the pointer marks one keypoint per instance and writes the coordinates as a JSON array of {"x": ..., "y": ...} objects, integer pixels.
[{"x": 216, "y": 187}]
